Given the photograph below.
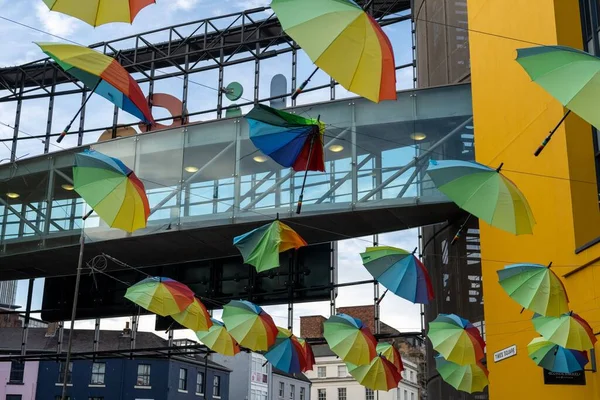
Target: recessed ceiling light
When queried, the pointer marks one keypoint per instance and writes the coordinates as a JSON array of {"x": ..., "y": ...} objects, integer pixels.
[
  {"x": 191, "y": 169},
  {"x": 336, "y": 148},
  {"x": 260, "y": 159},
  {"x": 13, "y": 195},
  {"x": 67, "y": 186},
  {"x": 418, "y": 136},
  {"x": 469, "y": 127}
]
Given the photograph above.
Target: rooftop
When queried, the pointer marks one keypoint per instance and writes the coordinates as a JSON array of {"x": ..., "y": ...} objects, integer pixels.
[{"x": 300, "y": 376}]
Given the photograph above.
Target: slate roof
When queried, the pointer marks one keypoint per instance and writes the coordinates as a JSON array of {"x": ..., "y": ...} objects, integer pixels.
[
  {"x": 300, "y": 376},
  {"x": 83, "y": 341}
]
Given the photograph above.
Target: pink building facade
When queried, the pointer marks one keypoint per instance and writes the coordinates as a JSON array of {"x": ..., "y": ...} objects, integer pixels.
[{"x": 26, "y": 389}]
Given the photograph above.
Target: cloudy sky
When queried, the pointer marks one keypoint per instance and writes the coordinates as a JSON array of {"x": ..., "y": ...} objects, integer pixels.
[{"x": 18, "y": 47}]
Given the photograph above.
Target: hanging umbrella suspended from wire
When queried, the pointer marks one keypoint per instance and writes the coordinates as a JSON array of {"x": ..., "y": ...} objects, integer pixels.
[
  {"x": 261, "y": 246},
  {"x": 349, "y": 339},
  {"x": 287, "y": 353},
  {"x": 218, "y": 339},
  {"x": 485, "y": 193},
  {"x": 194, "y": 317},
  {"x": 161, "y": 296},
  {"x": 379, "y": 374},
  {"x": 290, "y": 140},
  {"x": 308, "y": 354},
  {"x": 556, "y": 358},
  {"x": 571, "y": 76},
  {"x": 249, "y": 325},
  {"x": 535, "y": 287},
  {"x": 468, "y": 378},
  {"x": 456, "y": 339},
  {"x": 391, "y": 353},
  {"x": 569, "y": 331},
  {"x": 103, "y": 75},
  {"x": 345, "y": 42},
  {"x": 100, "y": 12}
]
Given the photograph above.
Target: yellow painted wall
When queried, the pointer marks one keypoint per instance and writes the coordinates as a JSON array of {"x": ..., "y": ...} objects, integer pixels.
[{"x": 512, "y": 116}]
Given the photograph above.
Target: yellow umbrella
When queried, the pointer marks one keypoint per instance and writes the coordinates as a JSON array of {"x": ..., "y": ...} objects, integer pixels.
[
  {"x": 218, "y": 339},
  {"x": 99, "y": 12},
  {"x": 194, "y": 317}
]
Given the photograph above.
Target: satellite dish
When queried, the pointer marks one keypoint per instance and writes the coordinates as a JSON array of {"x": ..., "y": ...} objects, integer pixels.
[{"x": 234, "y": 91}]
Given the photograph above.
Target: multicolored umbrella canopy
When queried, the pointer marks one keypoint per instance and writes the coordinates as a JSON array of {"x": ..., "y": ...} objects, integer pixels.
[
  {"x": 100, "y": 12},
  {"x": 349, "y": 339},
  {"x": 400, "y": 272},
  {"x": 485, "y": 193},
  {"x": 536, "y": 288},
  {"x": 218, "y": 339},
  {"x": 333, "y": 30},
  {"x": 289, "y": 139},
  {"x": 571, "y": 76},
  {"x": 379, "y": 374},
  {"x": 555, "y": 358},
  {"x": 569, "y": 331},
  {"x": 391, "y": 353},
  {"x": 112, "y": 190},
  {"x": 194, "y": 317},
  {"x": 261, "y": 247},
  {"x": 287, "y": 353},
  {"x": 468, "y": 378},
  {"x": 103, "y": 74},
  {"x": 309, "y": 357},
  {"x": 249, "y": 325},
  {"x": 162, "y": 296},
  {"x": 456, "y": 339}
]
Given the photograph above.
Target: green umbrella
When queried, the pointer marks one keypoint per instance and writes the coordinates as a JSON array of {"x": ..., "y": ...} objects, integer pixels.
[
  {"x": 468, "y": 378},
  {"x": 485, "y": 193},
  {"x": 349, "y": 339},
  {"x": 571, "y": 76},
  {"x": 569, "y": 331},
  {"x": 249, "y": 325}
]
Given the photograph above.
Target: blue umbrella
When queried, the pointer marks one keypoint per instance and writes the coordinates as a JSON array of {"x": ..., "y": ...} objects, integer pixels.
[
  {"x": 287, "y": 353},
  {"x": 400, "y": 272},
  {"x": 556, "y": 358}
]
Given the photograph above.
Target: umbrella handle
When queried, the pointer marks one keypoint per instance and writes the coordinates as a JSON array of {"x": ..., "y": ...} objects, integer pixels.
[
  {"x": 62, "y": 135},
  {"x": 549, "y": 137},
  {"x": 86, "y": 216},
  {"x": 299, "y": 206}
]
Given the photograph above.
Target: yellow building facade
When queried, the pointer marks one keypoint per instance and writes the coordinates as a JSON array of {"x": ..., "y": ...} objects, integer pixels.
[{"x": 512, "y": 116}]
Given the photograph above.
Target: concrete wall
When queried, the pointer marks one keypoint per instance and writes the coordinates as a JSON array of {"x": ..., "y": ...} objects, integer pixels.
[
  {"x": 240, "y": 366},
  {"x": 30, "y": 378}
]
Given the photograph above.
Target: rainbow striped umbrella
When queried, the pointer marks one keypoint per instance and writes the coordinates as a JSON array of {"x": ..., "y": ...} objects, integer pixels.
[
  {"x": 287, "y": 354},
  {"x": 308, "y": 355},
  {"x": 379, "y": 374},
  {"x": 250, "y": 325},
  {"x": 218, "y": 339},
  {"x": 556, "y": 358},
  {"x": 100, "y": 12},
  {"x": 391, "y": 353},
  {"x": 103, "y": 74},
  {"x": 162, "y": 296},
  {"x": 194, "y": 317},
  {"x": 112, "y": 190},
  {"x": 569, "y": 331},
  {"x": 330, "y": 31},
  {"x": 349, "y": 339},
  {"x": 456, "y": 339},
  {"x": 468, "y": 378}
]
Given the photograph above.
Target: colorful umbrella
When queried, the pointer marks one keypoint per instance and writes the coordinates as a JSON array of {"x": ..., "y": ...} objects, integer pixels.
[
  {"x": 289, "y": 139},
  {"x": 112, "y": 190},
  {"x": 194, "y": 317},
  {"x": 485, "y": 193},
  {"x": 162, "y": 296},
  {"x": 261, "y": 247},
  {"x": 249, "y": 325},
  {"x": 571, "y": 76},
  {"x": 379, "y": 374},
  {"x": 333, "y": 30},
  {"x": 350, "y": 339},
  {"x": 218, "y": 339},
  {"x": 569, "y": 331},
  {"x": 468, "y": 378},
  {"x": 100, "y": 12},
  {"x": 400, "y": 272},
  {"x": 103, "y": 75},
  {"x": 309, "y": 357},
  {"x": 287, "y": 353},
  {"x": 556, "y": 358},
  {"x": 535, "y": 287},
  {"x": 391, "y": 353},
  {"x": 456, "y": 339}
]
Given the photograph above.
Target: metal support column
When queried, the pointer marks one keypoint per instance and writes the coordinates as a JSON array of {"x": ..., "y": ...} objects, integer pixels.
[
  {"x": 186, "y": 83},
  {"x": 97, "y": 335},
  {"x": 61, "y": 336},
  {"x": 50, "y": 113},
  {"x": 13, "y": 151},
  {"x": 294, "y": 72},
  {"x": 354, "y": 162},
  {"x": 237, "y": 179},
  {"x": 376, "y": 301},
  {"x": 81, "y": 130},
  {"x": 221, "y": 84},
  {"x": 27, "y": 316}
]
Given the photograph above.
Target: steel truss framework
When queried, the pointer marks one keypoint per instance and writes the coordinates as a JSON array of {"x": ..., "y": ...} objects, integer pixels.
[{"x": 209, "y": 44}]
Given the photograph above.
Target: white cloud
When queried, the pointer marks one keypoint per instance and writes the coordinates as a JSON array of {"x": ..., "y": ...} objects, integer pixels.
[
  {"x": 185, "y": 4},
  {"x": 54, "y": 22}
]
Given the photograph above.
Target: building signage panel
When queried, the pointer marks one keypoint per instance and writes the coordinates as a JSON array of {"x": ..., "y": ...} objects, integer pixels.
[
  {"x": 559, "y": 378},
  {"x": 505, "y": 353}
]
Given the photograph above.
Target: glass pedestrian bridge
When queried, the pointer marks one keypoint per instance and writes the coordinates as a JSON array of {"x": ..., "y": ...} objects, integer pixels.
[{"x": 207, "y": 182}]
